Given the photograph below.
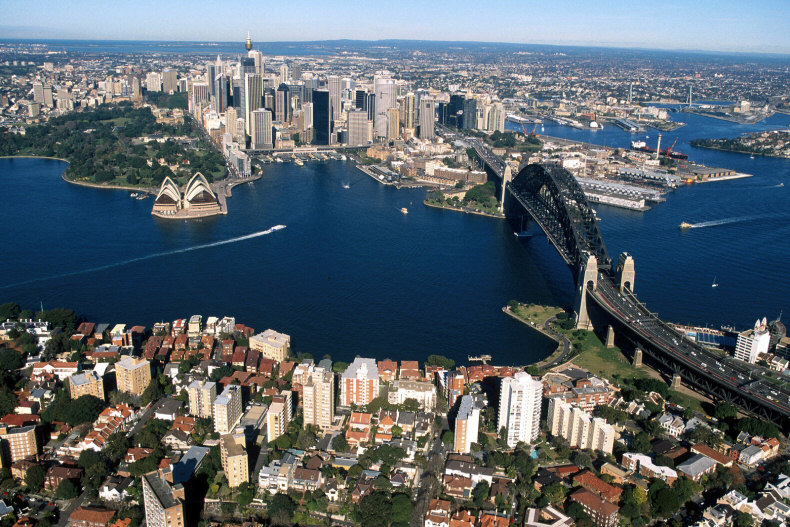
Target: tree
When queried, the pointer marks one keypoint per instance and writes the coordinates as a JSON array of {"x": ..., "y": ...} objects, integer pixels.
[
  {"x": 10, "y": 359},
  {"x": 641, "y": 443},
  {"x": 282, "y": 506},
  {"x": 246, "y": 494},
  {"x": 582, "y": 459},
  {"x": 441, "y": 361},
  {"x": 480, "y": 493},
  {"x": 34, "y": 478},
  {"x": 402, "y": 508},
  {"x": 374, "y": 510},
  {"x": 447, "y": 437},
  {"x": 665, "y": 502},
  {"x": 743, "y": 519},
  {"x": 340, "y": 444},
  {"x": 67, "y": 490},
  {"x": 554, "y": 493},
  {"x": 9, "y": 311}
]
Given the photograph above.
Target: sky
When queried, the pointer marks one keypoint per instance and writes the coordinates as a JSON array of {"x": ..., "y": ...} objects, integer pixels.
[{"x": 757, "y": 26}]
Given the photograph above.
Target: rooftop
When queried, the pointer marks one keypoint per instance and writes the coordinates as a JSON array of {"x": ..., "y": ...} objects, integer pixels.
[{"x": 161, "y": 490}]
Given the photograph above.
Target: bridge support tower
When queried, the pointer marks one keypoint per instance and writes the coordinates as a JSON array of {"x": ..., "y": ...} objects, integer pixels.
[
  {"x": 588, "y": 274},
  {"x": 507, "y": 177},
  {"x": 625, "y": 272},
  {"x": 675, "y": 382},
  {"x": 637, "y": 362},
  {"x": 610, "y": 337}
]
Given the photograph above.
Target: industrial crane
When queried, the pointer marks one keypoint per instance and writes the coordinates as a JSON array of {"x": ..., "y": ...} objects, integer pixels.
[{"x": 669, "y": 150}]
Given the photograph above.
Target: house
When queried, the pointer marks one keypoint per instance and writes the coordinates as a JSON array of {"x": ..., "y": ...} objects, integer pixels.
[
  {"x": 177, "y": 439},
  {"x": 168, "y": 409},
  {"x": 56, "y": 475},
  {"x": 90, "y": 517},
  {"x": 494, "y": 519},
  {"x": 458, "y": 486},
  {"x": 363, "y": 487},
  {"x": 387, "y": 370},
  {"x": 751, "y": 455},
  {"x": 438, "y": 514},
  {"x": 715, "y": 455},
  {"x": 696, "y": 467},
  {"x": 463, "y": 465},
  {"x": 672, "y": 424},
  {"x": 114, "y": 488},
  {"x": 410, "y": 370},
  {"x": 306, "y": 479},
  {"x": 406, "y": 422}
]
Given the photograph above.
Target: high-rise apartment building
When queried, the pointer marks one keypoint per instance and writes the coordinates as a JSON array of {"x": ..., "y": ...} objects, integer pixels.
[
  {"x": 132, "y": 375},
  {"x": 162, "y": 508},
  {"x": 579, "y": 428},
  {"x": 201, "y": 398},
  {"x": 271, "y": 344},
  {"x": 427, "y": 118},
  {"x": 753, "y": 342},
  {"x": 18, "y": 443},
  {"x": 86, "y": 383},
  {"x": 279, "y": 415},
  {"x": 359, "y": 383},
  {"x": 153, "y": 81},
  {"x": 386, "y": 98},
  {"x": 519, "y": 408},
  {"x": 467, "y": 423},
  {"x": 233, "y": 455},
  {"x": 261, "y": 129},
  {"x": 318, "y": 398},
  {"x": 227, "y": 409}
]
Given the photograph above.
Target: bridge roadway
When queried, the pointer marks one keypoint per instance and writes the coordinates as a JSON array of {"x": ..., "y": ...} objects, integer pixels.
[
  {"x": 732, "y": 380},
  {"x": 489, "y": 158}
]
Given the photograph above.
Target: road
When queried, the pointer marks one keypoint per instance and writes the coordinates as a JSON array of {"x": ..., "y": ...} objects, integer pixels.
[
  {"x": 147, "y": 413},
  {"x": 430, "y": 478},
  {"x": 566, "y": 344}
]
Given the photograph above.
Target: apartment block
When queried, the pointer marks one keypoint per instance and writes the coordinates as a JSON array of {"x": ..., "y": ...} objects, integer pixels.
[
  {"x": 318, "y": 398},
  {"x": 201, "y": 398},
  {"x": 18, "y": 443},
  {"x": 520, "y": 398},
  {"x": 227, "y": 409},
  {"x": 132, "y": 375},
  {"x": 423, "y": 392},
  {"x": 467, "y": 423},
  {"x": 579, "y": 428},
  {"x": 162, "y": 508},
  {"x": 86, "y": 383},
  {"x": 233, "y": 454},
  {"x": 359, "y": 384},
  {"x": 271, "y": 344}
]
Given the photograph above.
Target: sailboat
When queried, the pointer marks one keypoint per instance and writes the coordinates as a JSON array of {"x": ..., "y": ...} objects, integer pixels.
[{"x": 715, "y": 283}]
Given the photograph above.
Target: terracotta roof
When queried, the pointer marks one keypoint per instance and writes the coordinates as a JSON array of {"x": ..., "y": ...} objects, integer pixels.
[
  {"x": 593, "y": 502},
  {"x": 591, "y": 482},
  {"x": 99, "y": 516}
]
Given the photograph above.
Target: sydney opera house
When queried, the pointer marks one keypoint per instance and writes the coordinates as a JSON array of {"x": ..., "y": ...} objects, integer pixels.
[{"x": 197, "y": 200}]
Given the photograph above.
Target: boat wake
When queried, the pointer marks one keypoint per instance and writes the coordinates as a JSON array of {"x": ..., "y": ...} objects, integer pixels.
[
  {"x": 727, "y": 221},
  {"x": 149, "y": 257}
]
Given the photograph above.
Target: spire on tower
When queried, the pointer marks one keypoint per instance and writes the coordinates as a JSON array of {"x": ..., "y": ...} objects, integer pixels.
[{"x": 248, "y": 43}]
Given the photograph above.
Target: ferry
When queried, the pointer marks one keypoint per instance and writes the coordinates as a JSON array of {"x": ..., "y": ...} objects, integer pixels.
[
  {"x": 641, "y": 146},
  {"x": 298, "y": 162},
  {"x": 685, "y": 225},
  {"x": 404, "y": 210},
  {"x": 276, "y": 228}
]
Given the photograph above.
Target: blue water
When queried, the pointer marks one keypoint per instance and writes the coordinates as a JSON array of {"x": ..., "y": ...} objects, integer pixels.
[
  {"x": 349, "y": 275},
  {"x": 352, "y": 275}
]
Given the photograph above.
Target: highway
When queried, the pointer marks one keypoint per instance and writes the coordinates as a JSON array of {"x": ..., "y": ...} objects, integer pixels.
[
  {"x": 487, "y": 155},
  {"x": 724, "y": 370}
]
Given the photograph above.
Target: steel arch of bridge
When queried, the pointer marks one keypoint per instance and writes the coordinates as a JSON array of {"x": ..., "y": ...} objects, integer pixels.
[{"x": 553, "y": 198}]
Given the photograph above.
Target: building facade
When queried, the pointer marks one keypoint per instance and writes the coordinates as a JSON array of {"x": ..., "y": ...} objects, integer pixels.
[
  {"x": 87, "y": 383},
  {"x": 201, "y": 398},
  {"x": 233, "y": 455},
  {"x": 132, "y": 375},
  {"x": 271, "y": 344},
  {"x": 520, "y": 398},
  {"x": 162, "y": 508},
  {"x": 318, "y": 397},
  {"x": 359, "y": 384},
  {"x": 467, "y": 423},
  {"x": 227, "y": 409}
]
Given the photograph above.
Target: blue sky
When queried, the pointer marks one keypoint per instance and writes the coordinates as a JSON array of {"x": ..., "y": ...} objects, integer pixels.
[{"x": 723, "y": 25}]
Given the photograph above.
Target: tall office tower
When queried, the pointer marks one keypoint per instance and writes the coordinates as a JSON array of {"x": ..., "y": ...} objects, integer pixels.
[
  {"x": 408, "y": 110},
  {"x": 162, "y": 508},
  {"x": 230, "y": 120},
  {"x": 360, "y": 382},
  {"x": 333, "y": 83},
  {"x": 183, "y": 85},
  {"x": 426, "y": 118},
  {"x": 169, "y": 81},
  {"x": 227, "y": 409},
  {"x": 307, "y": 113},
  {"x": 753, "y": 342},
  {"x": 48, "y": 100},
  {"x": 233, "y": 456},
  {"x": 360, "y": 99},
  {"x": 322, "y": 117},
  {"x": 393, "y": 123},
  {"x": 220, "y": 93},
  {"x": 442, "y": 112},
  {"x": 153, "y": 81},
  {"x": 237, "y": 95},
  {"x": 318, "y": 396},
  {"x": 296, "y": 72},
  {"x": 470, "y": 114},
  {"x": 284, "y": 73},
  {"x": 247, "y": 65},
  {"x": 261, "y": 129},
  {"x": 200, "y": 95},
  {"x": 466, "y": 425},
  {"x": 132, "y": 375},
  {"x": 38, "y": 92},
  {"x": 201, "y": 398},
  {"x": 268, "y": 99},
  {"x": 370, "y": 106},
  {"x": 257, "y": 58},
  {"x": 253, "y": 98},
  {"x": 386, "y": 98},
  {"x": 519, "y": 408},
  {"x": 359, "y": 128},
  {"x": 211, "y": 74},
  {"x": 136, "y": 91},
  {"x": 282, "y": 104}
]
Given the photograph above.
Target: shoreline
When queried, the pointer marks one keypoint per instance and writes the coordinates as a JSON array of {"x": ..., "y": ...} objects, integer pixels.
[
  {"x": 147, "y": 190},
  {"x": 554, "y": 355},
  {"x": 741, "y": 152},
  {"x": 36, "y": 157},
  {"x": 443, "y": 207}
]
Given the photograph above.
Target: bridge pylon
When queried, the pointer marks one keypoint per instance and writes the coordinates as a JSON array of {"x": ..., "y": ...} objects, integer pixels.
[
  {"x": 588, "y": 274},
  {"x": 507, "y": 177},
  {"x": 625, "y": 272}
]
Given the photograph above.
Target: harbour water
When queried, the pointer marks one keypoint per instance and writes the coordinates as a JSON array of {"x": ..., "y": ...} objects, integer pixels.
[{"x": 353, "y": 275}]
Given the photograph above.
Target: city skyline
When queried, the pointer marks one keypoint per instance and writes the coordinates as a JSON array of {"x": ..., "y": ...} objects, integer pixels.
[{"x": 703, "y": 26}]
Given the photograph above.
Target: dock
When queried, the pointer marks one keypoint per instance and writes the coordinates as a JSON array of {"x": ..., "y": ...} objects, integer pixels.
[{"x": 485, "y": 359}]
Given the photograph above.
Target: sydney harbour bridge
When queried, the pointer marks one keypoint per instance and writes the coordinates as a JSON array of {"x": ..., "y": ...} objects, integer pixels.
[{"x": 549, "y": 196}]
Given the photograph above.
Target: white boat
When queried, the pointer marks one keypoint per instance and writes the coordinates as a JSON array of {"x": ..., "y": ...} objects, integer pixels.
[
  {"x": 404, "y": 210},
  {"x": 715, "y": 283},
  {"x": 277, "y": 228},
  {"x": 346, "y": 186}
]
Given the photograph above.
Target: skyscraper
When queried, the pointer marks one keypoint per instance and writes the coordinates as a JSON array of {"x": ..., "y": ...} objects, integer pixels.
[
  {"x": 360, "y": 128},
  {"x": 220, "y": 93},
  {"x": 169, "y": 81},
  {"x": 227, "y": 409},
  {"x": 322, "y": 117},
  {"x": 470, "y": 114},
  {"x": 318, "y": 395},
  {"x": 257, "y": 58},
  {"x": 359, "y": 383},
  {"x": 282, "y": 104},
  {"x": 426, "y": 118},
  {"x": 211, "y": 74},
  {"x": 408, "y": 110},
  {"x": 519, "y": 408},
  {"x": 393, "y": 123},
  {"x": 261, "y": 130},
  {"x": 153, "y": 81},
  {"x": 360, "y": 100},
  {"x": 333, "y": 83},
  {"x": 386, "y": 98},
  {"x": 253, "y": 98},
  {"x": 283, "y": 73}
]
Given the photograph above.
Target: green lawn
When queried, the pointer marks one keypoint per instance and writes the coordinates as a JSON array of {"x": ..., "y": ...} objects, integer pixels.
[{"x": 535, "y": 313}]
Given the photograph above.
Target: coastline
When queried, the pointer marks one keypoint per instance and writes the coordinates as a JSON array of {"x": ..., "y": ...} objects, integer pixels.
[
  {"x": 147, "y": 190},
  {"x": 443, "y": 207},
  {"x": 36, "y": 157},
  {"x": 554, "y": 355},
  {"x": 745, "y": 152}
]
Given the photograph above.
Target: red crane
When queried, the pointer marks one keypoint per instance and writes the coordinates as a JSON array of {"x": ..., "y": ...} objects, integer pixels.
[
  {"x": 669, "y": 150},
  {"x": 533, "y": 130}
]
